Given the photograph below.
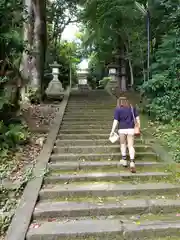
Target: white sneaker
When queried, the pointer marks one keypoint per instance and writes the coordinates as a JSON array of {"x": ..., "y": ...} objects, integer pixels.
[
  {"x": 132, "y": 167},
  {"x": 123, "y": 162}
]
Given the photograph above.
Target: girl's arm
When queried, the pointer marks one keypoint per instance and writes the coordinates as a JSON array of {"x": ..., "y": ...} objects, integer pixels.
[
  {"x": 138, "y": 121},
  {"x": 136, "y": 114},
  {"x": 116, "y": 121},
  {"x": 114, "y": 126}
]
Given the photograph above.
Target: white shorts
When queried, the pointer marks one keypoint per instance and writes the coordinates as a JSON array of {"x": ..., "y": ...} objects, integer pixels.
[{"x": 129, "y": 131}]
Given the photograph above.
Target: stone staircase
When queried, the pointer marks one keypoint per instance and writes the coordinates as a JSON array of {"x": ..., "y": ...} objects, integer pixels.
[{"x": 88, "y": 195}]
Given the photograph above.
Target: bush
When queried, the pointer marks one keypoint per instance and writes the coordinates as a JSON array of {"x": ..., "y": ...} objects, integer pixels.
[
  {"x": 163, "y": 90},
  {"x": 10, "y": 136},
  {"x": 168, "y": 134},
  {"x": 103, "y": 83}
]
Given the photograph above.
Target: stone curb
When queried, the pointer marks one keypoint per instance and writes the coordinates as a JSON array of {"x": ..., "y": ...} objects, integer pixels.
[{"x": 21, "y": 220}]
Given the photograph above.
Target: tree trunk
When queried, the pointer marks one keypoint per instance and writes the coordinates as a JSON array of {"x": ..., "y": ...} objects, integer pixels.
[
  {"x": 39, "y": 44},
  {"x": 130, "y": 63},
  {"x": 25, "y": 66},
  {"x": 33, "y": 57},
  {"x": 142, "y": 59},
  {"x": 131, "y": 72},
  {"x": 123, "y": 72}
]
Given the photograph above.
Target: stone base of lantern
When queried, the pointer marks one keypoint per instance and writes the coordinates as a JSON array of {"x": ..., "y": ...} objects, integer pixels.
[
  {"x": 83, "y": 87},
  {"x": 112, "y": 85},
  {"x": 55, "y": 90}
]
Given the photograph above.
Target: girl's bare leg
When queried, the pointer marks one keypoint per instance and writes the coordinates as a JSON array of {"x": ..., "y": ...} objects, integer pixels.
[
  {"x": 123, "y": 147},
  {"x": 130, "y": 140}
]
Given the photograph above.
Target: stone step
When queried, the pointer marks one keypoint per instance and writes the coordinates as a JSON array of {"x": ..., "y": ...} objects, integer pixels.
[
  {"x": 44, "y": 210},
  {"x": 103, "y": 165},
  {"x": 84, "y": 126},
  {"x": 97, "y": 149},
  {"x": 89, "y": 113},
  {"x": 106, "y": 189},
  {"x": 85, "y": 131},
  {"x": 89, "y": 116},
  {"x": 87, "y": 136},
  {"x": 104, "y": 230},
  {"x": 87, "y": 122},
  {"x": 86, "y": 142},
  {"x": 90, "y": 110},
  {"x": 79, "y": 123},
  {"x": 104, "y": 103},
  {"x": 88, "y": 119},
  {"x": 109, "y": 176},
  {"x": 93, "y": 108},
  {"x": 145, "y": 156}
]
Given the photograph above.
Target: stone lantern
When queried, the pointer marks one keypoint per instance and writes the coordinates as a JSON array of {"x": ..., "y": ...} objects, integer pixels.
[
  {"x": 82, "y": 74},
  {"x": 114, "y": 75},
  {"x": 55, "y": 90}
]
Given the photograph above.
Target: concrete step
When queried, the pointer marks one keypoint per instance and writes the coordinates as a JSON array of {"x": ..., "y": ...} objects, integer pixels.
[
  {"x": 90, "y": 108},
  {"x": 87, "y": 122},
  {"x": 92, "y": 102},
  {"x": 88, "y": 119},
  {"x": 145, "y": 156},
  {"x": 87, "y": 136},
  {"x": 86, "y": 142},
  {"x": 85, "y": 131},
  {"x": 89, "y": 116},
  {"x": 84, "y": 126},
  {"x": 103, "y": 230},
  {"x": 106, "y": 189},
  {"x": 98, "y": 149},
  {"x": 90, "y": 112},
  {"x": 71, "y": 209},
  {"x": 103, "y": 165},
  {"x": 109, "y": 176}
]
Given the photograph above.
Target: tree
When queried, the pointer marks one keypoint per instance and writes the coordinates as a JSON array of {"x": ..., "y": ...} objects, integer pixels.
[
  {"x": 60, "y": 14},
  {"x": 33, "y": 58},
  {"x": 114, "y": 25}
]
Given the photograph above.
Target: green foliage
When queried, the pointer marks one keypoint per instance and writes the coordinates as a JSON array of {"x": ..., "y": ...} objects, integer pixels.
[
  {"x": 68, "y": 54},
  {"x": 113, "y": 25},
  {"x": 10, "y": 136},
  {"x": 104, "y": 81},
  {"x": 10, "y": 27},
  {"x": 34, "y": 95},
  {"x": 163, "y": 90},
  {"x": 169, "y": 136}
]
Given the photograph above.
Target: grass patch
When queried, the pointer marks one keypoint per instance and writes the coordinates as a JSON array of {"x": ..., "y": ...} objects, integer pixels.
[{"x": 169, "y": 136}]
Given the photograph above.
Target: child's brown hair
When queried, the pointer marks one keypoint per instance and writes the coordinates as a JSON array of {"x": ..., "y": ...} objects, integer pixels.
[{"x": 123, "y": 102}]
